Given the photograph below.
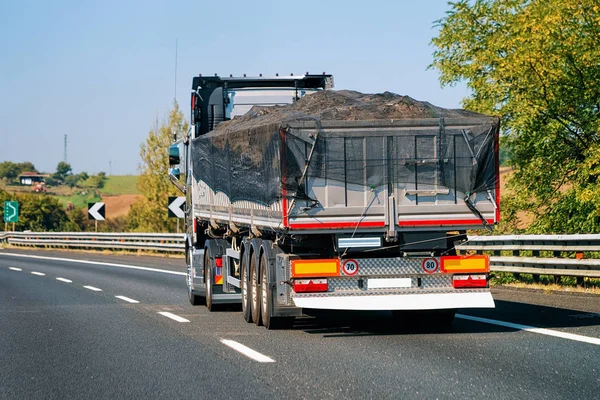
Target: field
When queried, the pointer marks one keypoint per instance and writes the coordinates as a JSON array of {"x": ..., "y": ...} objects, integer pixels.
[
  {"x": 118, "y": 193},
  {"x": 117, "y": 185},
  {"x": 79, "y": 198}
]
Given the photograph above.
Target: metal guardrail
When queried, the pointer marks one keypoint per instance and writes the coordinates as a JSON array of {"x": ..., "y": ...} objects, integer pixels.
[
  {"x": 162, "y": 242},
  {"x": 558, "y": 265},
  {"x": 534, "y": 264}
]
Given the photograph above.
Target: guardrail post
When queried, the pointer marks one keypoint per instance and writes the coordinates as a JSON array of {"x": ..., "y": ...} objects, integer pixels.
[
  {"x": 516, "y": 253},
  {"x": 556, "y": 278},
  {"x": 535, "y": 277}
]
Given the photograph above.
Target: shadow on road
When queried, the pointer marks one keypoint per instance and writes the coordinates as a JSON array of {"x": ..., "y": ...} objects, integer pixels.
[{"x": 362, "y": 323}]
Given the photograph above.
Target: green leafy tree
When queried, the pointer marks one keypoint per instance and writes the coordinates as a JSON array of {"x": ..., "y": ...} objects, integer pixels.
[
  {"x": 62, "y": 170},
  {"x": 83, "y": 176},
  {"x": 150, "y": 213},
  {"x": 535, "y": 63},
  {"x": 72, "y": 180},
  {"x": 9, "y": 170},
  {"x": 37, "y": 213},
  {"x": 26, "y": 167},
  {"x": 98, "y": 181}
]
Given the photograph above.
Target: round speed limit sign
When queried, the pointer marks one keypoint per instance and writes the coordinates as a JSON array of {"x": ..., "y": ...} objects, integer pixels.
[
  {"x": 430, "y": 265},
  {"x": 350, "y": 267}
]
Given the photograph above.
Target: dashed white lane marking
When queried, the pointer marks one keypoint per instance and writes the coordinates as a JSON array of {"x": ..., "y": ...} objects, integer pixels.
[
  {"x": 127, "y": 299},
  {"x": 247, "y": 351},
  {"x": 38, "y": 273},
  {"x": 64, "y": 280},
  {"x": 95, "y": 289},
  {"x": 164, "y": 271},
  {"x": 15, "y": 269},
  {"x": 533, "y": 329},
  {"x": 173, "y": 316}
]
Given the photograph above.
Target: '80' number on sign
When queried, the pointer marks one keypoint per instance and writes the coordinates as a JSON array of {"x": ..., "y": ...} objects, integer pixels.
[{"x": 430, "y": 265}]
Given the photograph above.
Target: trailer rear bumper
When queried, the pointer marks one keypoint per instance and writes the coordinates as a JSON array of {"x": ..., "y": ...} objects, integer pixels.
[{"x": 425, "y": 301}]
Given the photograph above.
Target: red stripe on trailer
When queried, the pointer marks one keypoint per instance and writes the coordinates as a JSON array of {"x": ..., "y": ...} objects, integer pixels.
[
  {"x": 284, "y": 206},
  {"x": 445, "y": 222},
  {"x": 497, "y": 151},
  {"x": 337, "y": 225},
  {"x": 284, "y": 201}
]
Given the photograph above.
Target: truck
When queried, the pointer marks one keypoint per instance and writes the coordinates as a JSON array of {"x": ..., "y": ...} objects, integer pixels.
[{"x": 301, "y": 197}]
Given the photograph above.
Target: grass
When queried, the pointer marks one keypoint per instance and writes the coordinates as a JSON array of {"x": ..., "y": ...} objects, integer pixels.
[
  {"x": 80, "y": 198},
  {"x": 545, "y": 282},
  {"x": 121, "y": 184}
]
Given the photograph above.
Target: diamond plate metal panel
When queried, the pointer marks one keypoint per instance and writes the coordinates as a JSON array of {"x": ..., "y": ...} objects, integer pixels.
[
  {"x": 391, "y": 266},
  {"x": 436, "y": 281},
  {"x": 386, "y": 292},
  {"x": 338, "y": 285}
]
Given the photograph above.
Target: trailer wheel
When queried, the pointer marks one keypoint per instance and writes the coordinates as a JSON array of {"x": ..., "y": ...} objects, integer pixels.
[
  {"x": 255, "y": 292},
  {"x": 194, "y": 299},
  {"x": 246, "y": 291},
  {"x": 208, "y": 281},
  {"x": 268, "y": 320}
]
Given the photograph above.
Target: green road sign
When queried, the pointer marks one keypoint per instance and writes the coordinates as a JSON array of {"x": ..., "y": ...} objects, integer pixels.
[{"x": 11, "y": 211}]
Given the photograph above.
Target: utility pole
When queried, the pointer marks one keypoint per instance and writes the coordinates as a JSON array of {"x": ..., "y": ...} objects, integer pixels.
[
  {"x": 175, "y": 70},
  {"x": 65, "y": 149}
]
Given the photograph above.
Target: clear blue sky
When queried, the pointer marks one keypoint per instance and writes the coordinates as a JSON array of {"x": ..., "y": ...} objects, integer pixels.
[{"x": 102, "y": 72}]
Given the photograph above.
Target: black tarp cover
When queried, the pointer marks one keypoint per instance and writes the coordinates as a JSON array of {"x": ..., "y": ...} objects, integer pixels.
[{"x": 256, "y": 158}]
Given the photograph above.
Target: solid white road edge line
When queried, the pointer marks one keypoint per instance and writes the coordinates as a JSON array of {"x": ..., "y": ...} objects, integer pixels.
[
  {"x": 173, "y": 316},
  {"x": 64, "y": 280},
  {"x": 247, "y": 351},
  {"x": 127, "y": 299},
  {"x": 38, "y": 273},
  {"x": 95, "y": 289},
  {"x": 533, "y": 329},
  {"x": 15, "y": 269},
  {"x": 164, "y": 271}
]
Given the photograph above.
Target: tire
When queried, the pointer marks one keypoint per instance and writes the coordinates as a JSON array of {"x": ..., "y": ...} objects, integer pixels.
[
  {"x": 266, "y": 311},
  {"x": 255, "y": 292},
  {"x": 208, "y": 281},
  {"x": 246, "y": 295},
  {"x": 194, "y": 300}
]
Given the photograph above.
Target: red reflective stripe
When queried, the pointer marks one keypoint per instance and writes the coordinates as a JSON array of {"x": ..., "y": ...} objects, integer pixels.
[
  {"x": 334, "y": 225},
  {"x": 437, "y": 222},
  {"x": 469, "y": 283},
  {"x": 320, "y": 286}
]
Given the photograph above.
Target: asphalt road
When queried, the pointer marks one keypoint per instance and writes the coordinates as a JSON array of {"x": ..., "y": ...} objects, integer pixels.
[{"x": 73, "y": 338}]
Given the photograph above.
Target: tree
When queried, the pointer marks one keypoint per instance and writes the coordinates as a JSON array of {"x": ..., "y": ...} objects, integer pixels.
[
  {"x": 72, "y": 180},
  {"x": 97, "y": 181},
  {"x": 83, "y": 176},
  {"x": 62, "y": 170},
  {"x": 37, "y": 213},
  {"x": 9, "y": 170},
  {"x": 26, "y": 167},
  {"x": 535, "y": 63},
  {"x": 150, "y": 213}
]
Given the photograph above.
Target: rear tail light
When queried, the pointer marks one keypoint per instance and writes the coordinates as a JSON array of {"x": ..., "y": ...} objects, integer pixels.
[
  {"x": 469, "y": 281},
  {"x": 310, "y": 285},
  {"x": 219, "y": 262}
]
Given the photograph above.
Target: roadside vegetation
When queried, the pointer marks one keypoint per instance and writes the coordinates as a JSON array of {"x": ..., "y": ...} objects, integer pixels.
[{"x": 535, "y": 64}]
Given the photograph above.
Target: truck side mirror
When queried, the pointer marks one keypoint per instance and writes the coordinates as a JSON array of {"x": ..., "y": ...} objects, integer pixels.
[
  {"x": 174, "y": 172},
  {"x": 174, "y": 158}
]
